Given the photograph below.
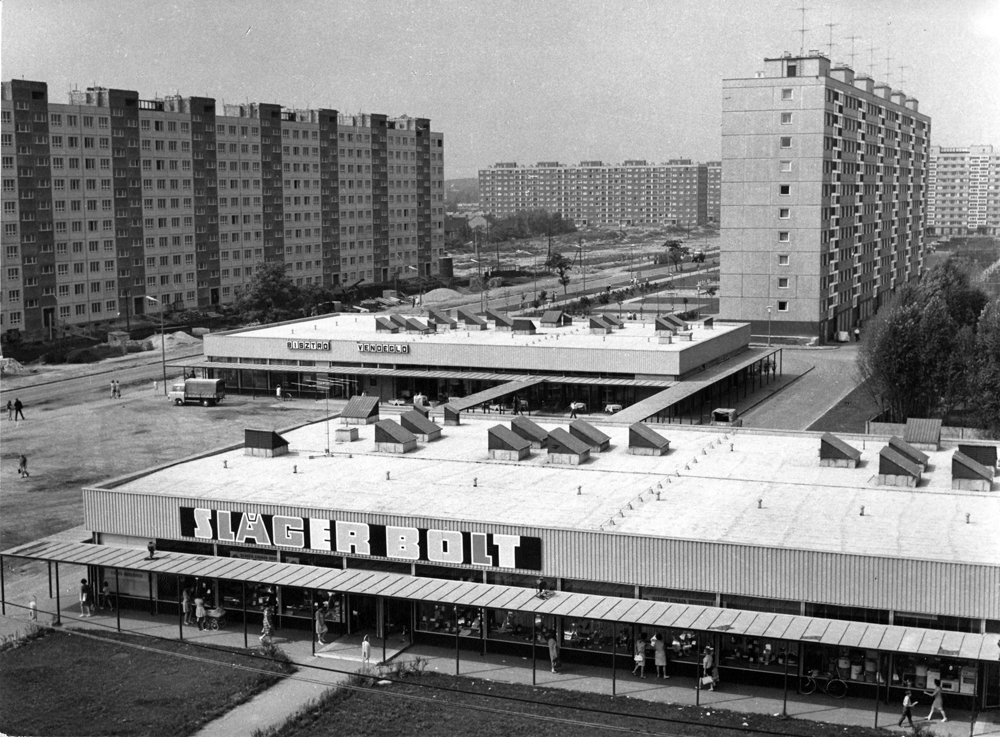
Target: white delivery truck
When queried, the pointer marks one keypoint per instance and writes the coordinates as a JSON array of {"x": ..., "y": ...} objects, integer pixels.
[{"x": 206, "y": 392}]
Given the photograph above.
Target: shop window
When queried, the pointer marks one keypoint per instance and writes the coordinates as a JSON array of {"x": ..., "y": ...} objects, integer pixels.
[
  {"x": 757, "y": 653},
  {"x": 756, "y": 604},
  {"x": 850, "y": 614}
]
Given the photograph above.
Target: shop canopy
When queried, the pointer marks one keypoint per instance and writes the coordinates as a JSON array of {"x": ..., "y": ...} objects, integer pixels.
[
  {"x": 689, "y": 387},
  {"x": 494, "y": 392},
  {"x": 861, "y": 635},
  {"x": 421, "y": 373}
]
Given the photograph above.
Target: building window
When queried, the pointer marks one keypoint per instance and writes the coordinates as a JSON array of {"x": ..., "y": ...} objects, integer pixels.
[
  {"x": 784, "y": 189},
  {"x": 786, "y": 166},
  {"x": 792, "y": 70},
  {"x": 786, "y": 118},
  {"x": 787, "y": 93},
  {"x": 786, "y": 141},
  {"x": 783, "y": 282},
  {"x": 784, "y": 213},
  {"x": 782, "y": 259},
  {"x": 782, "y": 307}
]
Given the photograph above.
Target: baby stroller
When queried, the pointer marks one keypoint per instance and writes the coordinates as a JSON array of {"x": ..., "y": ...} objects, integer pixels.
[{"x": 215, "y": 618}]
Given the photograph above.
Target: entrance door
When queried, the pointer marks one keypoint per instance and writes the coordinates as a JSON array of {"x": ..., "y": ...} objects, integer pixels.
[{"x": 991, "y": 686}]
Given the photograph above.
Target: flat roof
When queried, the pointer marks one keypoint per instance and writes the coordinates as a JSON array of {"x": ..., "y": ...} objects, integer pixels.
[
  {"x": 769, "y": 490},
  {"x": 634, "y": 335}
]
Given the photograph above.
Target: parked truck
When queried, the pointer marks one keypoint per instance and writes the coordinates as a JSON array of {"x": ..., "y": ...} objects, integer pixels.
[{"x": 206, "y": 392}]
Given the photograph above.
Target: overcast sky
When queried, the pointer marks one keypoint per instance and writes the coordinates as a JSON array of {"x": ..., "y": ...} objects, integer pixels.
[{"x": 512, "y": 81}]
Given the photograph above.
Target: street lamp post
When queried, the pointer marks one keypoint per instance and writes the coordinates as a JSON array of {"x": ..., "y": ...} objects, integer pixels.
[
  {"x": 769, "y": 326},
  {"x": 420, "y": 284},
  {"x": 163, "y": 343},
  {"x": 534, "y": 270}
]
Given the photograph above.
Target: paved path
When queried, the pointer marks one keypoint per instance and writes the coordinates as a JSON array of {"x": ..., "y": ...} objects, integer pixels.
[
  {"x": 813, "y": 394},
  {"x": 318, "y": 673}
]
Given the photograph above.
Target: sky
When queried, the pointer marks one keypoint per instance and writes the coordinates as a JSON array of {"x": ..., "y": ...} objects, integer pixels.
[{"x": 509, "y": 80}]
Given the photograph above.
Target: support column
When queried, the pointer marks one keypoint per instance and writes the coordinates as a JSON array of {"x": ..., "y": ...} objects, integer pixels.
[
  {"x": 180, "y": 607},
  {"x": 49, "y": 564},
  {"x": 58, "y": 619},
  {"x": 877, "y": 689},
  {"x": 534, "y": 649},
  {"x": 313, "y": 626},
  {"x": 614, "y": 661},
  {"x": 3, "y": 591},
  {"x": 246, "y": 643},
  {"x": 118, "y": 597},
  {"x": 784, "y": 697},
  {"x": 381, "y": 608},
  {"x": 456, "y": 641},
  {"x": 149, "y": 577}
]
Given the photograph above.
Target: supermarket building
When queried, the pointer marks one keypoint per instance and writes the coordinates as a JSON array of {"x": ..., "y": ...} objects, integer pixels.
[{"x": 742, "y": 540}]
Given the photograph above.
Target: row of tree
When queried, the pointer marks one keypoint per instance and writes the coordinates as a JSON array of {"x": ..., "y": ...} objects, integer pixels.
[
  {"x": 528, "y": 224},
  {"x": 934, "y": 350}
]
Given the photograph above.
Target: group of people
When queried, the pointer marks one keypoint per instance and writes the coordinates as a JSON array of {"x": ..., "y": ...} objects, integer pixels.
[
  {"x": 87, "y": 603},
  {"x": 193, "y": 606},
  {"x": 660, "y": 655},
  {"x": 937, "y": 704},
  {"x": 15, "y": 409},
  {"x": 116, "y": 389}
]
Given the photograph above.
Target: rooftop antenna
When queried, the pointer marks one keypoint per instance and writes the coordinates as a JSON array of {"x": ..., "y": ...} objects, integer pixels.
[
  {"x": 831, "y": 26},
  {"x": 852, "y": 39},
  {"x": 871, "y": 61},
  {"x": 802, "y": 31},
  {"x": 888, "y": 69},
  {"x": 902, "y": 75}
]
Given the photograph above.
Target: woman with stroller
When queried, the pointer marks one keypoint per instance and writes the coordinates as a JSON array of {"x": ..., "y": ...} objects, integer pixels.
[{"x": 199, "y": 610}]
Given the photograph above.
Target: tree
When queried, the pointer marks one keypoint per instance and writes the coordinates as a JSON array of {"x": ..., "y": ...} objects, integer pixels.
[
  {"x": 270, "y": 295},
  {"x": 986, "y": 373},
  {"x": 964, "y": 302},
  {"x": 561, "y": 265}
]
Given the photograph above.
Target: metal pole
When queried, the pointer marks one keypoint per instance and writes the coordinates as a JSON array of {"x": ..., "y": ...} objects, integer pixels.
[
  {"x": 58, "y": 606},
  {"x": 614, "y": 663},
  {"x": 3, "y": 594},
  {"x": 118, "y": 598},
  {"x": 180, "y": 607},
  {"x": 49, "y": 565},
  {"x": 149, "y": 577},
  {"x": 534, "y": 649},
  {"x": 877, "y": 688},
  {"x": 784, "y": 698},
  {"x": 163, "y": 350},
  {"x": 456, "y": 640},
  {"x": 381, "y": 601},
  {"x": 314, "y": 627},
  {"x": 246, "y": 643}
]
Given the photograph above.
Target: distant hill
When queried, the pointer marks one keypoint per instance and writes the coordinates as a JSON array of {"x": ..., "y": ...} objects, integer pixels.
[{"x": 460, "y": 190}]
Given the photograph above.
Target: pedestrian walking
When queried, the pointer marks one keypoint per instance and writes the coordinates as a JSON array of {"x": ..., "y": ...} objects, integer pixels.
[
  {"x": 640, "y": 656},
  {"x": 708, "y": 670},
  {"x": 113, "y": 388},
  {"x": 268, "y": 627},
  {"x": 33, "y": 609},
  {"x": 366, "y": 651},
  {"x": 156, "y": 386},
  {"x": 660, "y": 655},
  {"x": 186, "y": 605},
  {"x": 86, "y": 606},
  {"x": 199, "y": 611},
  {"x": 118, "y": 390},
  {"x": 18, "y": 409},
  {"x": 857, "y": 335},
  {"x": 572, "y": 410},
  {"x": 10, "y": 410},
  {"x": 277, "y": 392},
  {"x": 22, "y": 467},
  {"x": 321, "y": 628},
  {"x": 106, "y": 596},
  {"x": 908, "y": 704},
  {"x": 938, "y": 701},
  {"x": 553, "y": 644}
]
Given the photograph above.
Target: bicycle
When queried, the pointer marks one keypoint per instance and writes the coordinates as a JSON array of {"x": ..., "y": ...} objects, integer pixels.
[{"x": 832, "y": 686}]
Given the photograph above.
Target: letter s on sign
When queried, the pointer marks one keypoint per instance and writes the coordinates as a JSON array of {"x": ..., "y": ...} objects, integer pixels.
[{"x": 203, "y": 523}]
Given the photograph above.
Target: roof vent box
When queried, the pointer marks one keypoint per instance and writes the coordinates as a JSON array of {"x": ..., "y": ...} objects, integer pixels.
[
  {"x": 420, "y": 425},
  {"x": 530, "y": 431},
  {"x": 600, "y": 326},
  {"x": 644, "y": 441},
  {"x": 597, "y": 440},
  {"x": 470, "y": 320},
  {"x": 565, "y": 449},
  {"x": 984, "y": 454},
  {"x": 970, "y": 475},
  {"x": 923, "y": 434},
  {"x": 360, "y": 410},
  {"x": 506, "y": 445},
  {"x": 263, "y": 443},
  {"x": 391, "y": 437},
  {"x": 895, "y": 469},
  {"x": 835, "y": 452}
]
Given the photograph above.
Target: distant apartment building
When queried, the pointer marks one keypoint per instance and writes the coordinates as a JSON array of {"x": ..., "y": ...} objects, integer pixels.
[
  {"x": 112, "y": 199},
  {"x": 678, "y": 192},
  {"x": 823, "y": 196},
  {"x": 964, "y": 191}
]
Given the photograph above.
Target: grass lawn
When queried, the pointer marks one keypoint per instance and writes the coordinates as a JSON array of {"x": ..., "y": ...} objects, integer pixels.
[
  {"x": 849, "y": 414},
  {"x": 380, "y": 711},
  {"x": 68, "y": 684}
]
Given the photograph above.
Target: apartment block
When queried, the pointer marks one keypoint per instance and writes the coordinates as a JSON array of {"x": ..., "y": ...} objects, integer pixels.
[
  {"x": 115, "y": 206},
  {"x": 824, "y": 197},
  {"x": 964, "y": 191},
  {"x": 594, "y": 193}
]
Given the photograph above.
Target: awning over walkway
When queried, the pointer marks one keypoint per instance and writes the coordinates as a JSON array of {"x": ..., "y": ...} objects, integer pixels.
[
  {"x": 494, "y": 392},
  {"x": 682, "y": 390},
  {"x": 419, "y": 373},
  {"x": 887, "y": 638}
]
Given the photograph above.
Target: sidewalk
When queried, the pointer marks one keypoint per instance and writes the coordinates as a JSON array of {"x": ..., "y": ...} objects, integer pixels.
[{"x": 332, "y": 664}]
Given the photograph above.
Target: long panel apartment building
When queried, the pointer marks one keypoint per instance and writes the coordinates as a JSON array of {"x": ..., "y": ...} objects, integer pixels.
[
  {"x": 110, "y": 199},
  {"x": 634, "y": 193},
  {"x": 824, "y": 198},
  {"x": 964, "y": 191}
]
